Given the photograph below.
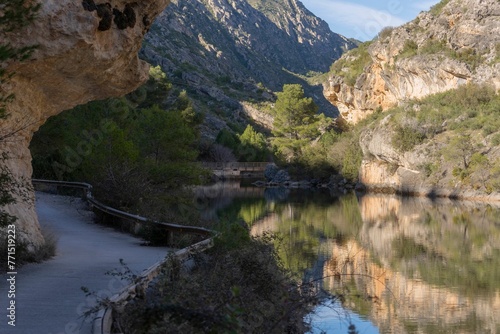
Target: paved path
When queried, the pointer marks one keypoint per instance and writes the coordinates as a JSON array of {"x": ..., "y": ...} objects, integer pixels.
[{"x": 49, "y": 299}]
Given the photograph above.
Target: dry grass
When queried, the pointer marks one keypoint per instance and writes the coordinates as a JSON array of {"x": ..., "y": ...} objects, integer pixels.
[{"x": 23, "y": 256}]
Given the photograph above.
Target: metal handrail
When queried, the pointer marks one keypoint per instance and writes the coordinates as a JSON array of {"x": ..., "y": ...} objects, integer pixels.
[
  {"x": 87, "y": 188},
  {"x": 103, "y": 321}
]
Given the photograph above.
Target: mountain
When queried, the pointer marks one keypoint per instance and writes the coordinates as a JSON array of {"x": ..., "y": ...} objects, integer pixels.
[
  {"x": 431, "y": 89},
  {"x": 456, "y": 42},
  {"x": 229, "y": 51}
]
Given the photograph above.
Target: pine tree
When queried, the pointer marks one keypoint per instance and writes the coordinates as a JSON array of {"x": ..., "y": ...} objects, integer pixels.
[
  {"x": 295, "y": 121},
  {"x": 252, "y": 145}
]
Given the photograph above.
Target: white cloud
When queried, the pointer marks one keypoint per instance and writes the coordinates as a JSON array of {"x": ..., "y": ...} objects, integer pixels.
[{"x": 366, "y": 22}]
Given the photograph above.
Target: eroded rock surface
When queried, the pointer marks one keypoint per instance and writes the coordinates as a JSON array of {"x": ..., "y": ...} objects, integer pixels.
[
  {"x": 87, "y": 50},
  {"x": 437, "y": 51},
  {"x": 457, "y": 42}
]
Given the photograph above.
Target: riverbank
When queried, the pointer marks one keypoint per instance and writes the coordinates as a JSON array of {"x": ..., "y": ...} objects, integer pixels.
[
  {"x": 454, "y": 194},
  {"x": 339, "y": 184}
]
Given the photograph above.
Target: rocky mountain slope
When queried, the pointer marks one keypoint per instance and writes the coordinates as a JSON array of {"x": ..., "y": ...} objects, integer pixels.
[
  {"x": 445, "y": 144},
  {"x": 228, "y": 51},
  {"x": 456, "y": 42}
]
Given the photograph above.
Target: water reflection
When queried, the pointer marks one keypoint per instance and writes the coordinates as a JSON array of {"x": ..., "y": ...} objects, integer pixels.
[{"x": 410, "y": 265}]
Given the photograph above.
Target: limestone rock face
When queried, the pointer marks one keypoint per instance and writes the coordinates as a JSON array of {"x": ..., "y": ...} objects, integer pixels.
[
  {"x": 437, "y": 51},
  {"x": 455, "y": 43},
  {"x": 261, "y": 118},
  {"x": 86, "y": 51},
  {"x": 386, "y": 169}
]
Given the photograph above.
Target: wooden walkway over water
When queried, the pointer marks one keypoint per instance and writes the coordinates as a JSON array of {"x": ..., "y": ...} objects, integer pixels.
[{"x": 237, "y": 169}]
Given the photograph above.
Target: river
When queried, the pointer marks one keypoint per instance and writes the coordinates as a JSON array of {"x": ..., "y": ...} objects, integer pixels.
[{"x": 392, "y": 264}]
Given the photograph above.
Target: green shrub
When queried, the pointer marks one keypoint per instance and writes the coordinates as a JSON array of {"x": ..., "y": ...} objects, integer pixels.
[
  {"x": 351, "y": 69},
  {"x": 438, "y": 8},
  {"x": 410, "y": 49},
  {"x": 428, "y": 168},
  {"x": 225, "y": 292},
  {"x": 433, "y": 46},
  {"x": 495, "y": 140},
  {"x": 405, "y": 138},
  {"x": 468, "y": 56},
  {"x": 385, "y": 33},
  {"x": 460, "y": 173},
  {"x": 351, "y": 162}
]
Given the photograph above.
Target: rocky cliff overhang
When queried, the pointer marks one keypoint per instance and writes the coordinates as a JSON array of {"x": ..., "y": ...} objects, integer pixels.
[{"x": 86, "y": 50}]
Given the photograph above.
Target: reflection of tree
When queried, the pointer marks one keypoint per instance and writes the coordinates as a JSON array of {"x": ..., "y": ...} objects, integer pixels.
[
  {"x": 305, "y": 226},
  {"x": 253, "y": 212},
  {"x": 249, "y": 210},
  {"x": 470, "y": 251}
]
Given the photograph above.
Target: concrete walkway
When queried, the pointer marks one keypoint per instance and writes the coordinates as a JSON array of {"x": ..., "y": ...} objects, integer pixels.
[{"x": 48, "y": 296}]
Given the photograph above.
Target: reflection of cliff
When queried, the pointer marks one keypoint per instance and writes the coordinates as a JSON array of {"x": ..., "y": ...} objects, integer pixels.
[
  {"x": 426, "y": 265},
  {"x": 441, "y": 228},
  {"x": 410, "y": 265},
  {"x": 267, "y": 224},
  {"x": 405, "y": 305}
]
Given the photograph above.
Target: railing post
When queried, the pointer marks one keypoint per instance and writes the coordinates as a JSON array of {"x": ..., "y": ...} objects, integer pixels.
[{"x": 170, "y": 237}]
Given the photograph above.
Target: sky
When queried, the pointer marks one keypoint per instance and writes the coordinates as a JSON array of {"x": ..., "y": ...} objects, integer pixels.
[{"x": 363, "y": 19}]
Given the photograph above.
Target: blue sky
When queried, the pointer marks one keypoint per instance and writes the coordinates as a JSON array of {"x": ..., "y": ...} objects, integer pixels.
[{"x": 363, "y": 19}]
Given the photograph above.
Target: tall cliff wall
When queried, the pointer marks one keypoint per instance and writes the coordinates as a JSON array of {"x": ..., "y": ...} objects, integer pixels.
[
  {"x": 455, "y": 43},
  {"x": 86, "y": 51}
]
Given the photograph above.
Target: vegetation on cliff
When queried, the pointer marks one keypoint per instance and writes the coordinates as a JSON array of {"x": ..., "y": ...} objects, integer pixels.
[
  {"x": 224, "y": 58},
  {"x": 439, "y": 50},
  {"x": 352, "y": 64},
  {"x": 430, "y": 86},
  {"x": 459, "y": 130},
  {"x": 451, "y": 139}
]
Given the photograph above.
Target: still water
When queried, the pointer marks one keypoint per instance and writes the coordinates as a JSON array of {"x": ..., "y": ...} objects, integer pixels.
[{"x": 400, "y": 265}]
